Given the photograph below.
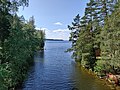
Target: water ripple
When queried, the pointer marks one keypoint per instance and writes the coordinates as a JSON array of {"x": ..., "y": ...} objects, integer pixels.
[{"x": 55, "y": 70}]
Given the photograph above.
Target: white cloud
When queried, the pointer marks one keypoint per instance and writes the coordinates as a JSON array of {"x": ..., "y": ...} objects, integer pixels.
[
  {"x": 61, "y": 30},
  {"x": 58, "y": 23},
  {"x": 56, "y": 34},
  {"x": 61, "y": 33},
  {"x": 41, "y": 28}
]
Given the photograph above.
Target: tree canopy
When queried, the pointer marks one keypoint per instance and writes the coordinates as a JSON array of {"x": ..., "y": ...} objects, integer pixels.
[
  {"x": 18, "y": 41},
  {"x": 96, "y": 36}
]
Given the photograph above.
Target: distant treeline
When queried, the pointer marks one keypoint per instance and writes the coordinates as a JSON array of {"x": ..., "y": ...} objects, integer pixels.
[
  {"x": 18, "y": 41},
  {"x": 53, "y": 39},
  {"x": 96, "y": 37}
]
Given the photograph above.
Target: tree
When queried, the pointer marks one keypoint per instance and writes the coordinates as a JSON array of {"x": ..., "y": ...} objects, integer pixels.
[
  {"x": 18, "y": 41},
  {"x": 74, "y": 34},
  {"x": 87, "y": 33},
  {"x": 111, "y": 41}
]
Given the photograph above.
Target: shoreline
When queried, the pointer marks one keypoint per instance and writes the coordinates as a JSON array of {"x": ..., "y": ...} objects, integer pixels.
[{"x": 103, "y": 79}]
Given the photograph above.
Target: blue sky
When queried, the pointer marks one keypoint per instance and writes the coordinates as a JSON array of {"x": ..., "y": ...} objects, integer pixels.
[{"x": 54, "y": 15}]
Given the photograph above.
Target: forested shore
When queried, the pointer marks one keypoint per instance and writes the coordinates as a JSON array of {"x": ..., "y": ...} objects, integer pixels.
[
  {"x": 96, "y": 38},
  {"x": 18, "y": 41},
  {"x": 95, "y": 41}
]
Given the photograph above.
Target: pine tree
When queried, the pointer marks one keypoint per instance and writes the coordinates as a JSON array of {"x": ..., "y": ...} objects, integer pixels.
[
  {"x": 74, "y": 34},
  {"x": 111, "y": 41}
]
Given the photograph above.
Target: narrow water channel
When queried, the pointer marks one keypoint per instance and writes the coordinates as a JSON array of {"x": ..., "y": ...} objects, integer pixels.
[{"x": 55, "y": 70}]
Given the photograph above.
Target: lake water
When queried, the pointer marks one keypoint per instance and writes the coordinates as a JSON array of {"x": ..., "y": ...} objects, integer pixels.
[{"x": 55, "y": 70}]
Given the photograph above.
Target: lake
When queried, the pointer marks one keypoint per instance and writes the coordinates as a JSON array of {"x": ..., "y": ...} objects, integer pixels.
[{"x": 55, "y": 70}]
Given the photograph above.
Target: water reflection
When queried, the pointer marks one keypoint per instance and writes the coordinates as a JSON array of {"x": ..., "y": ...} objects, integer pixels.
[
  {"x": 39, "y": 56},
  {"x": 55, "y": 70}
]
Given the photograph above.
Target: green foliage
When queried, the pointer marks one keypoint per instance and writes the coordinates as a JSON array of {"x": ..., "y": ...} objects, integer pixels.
[
  {"x": 41, "y": 37},
  {"x": 110, "y": 35},
  {"x": 74, "y": 34},
  {"x": 5, "y": 79},
  {"x": 18, "y": 41},
  {"x": 100, "y": 67},
  {"x": 99, "y": 30}
]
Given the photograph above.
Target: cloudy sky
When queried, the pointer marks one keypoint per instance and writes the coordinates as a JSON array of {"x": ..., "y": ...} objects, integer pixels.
[{"x": 54, "y": 15}]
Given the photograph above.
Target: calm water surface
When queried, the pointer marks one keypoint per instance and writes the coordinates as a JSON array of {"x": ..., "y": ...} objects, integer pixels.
[{"x": 55, "y": 70}]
